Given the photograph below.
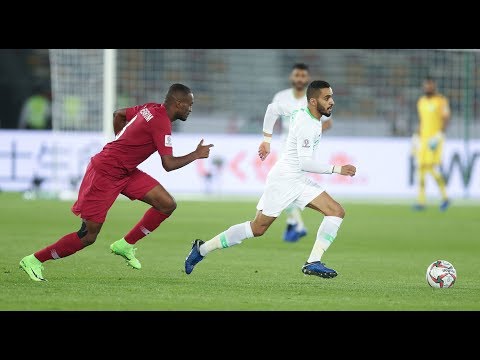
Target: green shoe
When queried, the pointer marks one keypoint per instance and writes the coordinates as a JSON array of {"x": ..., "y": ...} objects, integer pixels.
[
  {"x": 33, "y": 267},
  {"x": 127, "y": 251}
]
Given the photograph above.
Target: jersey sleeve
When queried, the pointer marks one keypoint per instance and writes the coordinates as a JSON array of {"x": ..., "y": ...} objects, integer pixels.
[
  {"x": 161, "y": 129},
  {"x": 274, "y": 111},
  {"x": 132, "y": 111},
  {"x": 305, "y": 138}
]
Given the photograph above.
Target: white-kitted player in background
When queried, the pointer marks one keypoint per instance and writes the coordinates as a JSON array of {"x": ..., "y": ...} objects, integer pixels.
[
  {"x": 287, "y": 183},
  {"x": 291, "y": 99}
]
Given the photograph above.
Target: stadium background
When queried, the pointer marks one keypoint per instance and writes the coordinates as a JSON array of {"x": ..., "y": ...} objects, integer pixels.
[{"x": 375, "y": 91}]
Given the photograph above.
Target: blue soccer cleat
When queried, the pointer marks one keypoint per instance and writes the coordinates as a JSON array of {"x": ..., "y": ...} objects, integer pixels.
[
  {"x": 318, "y": 268},
  {"x": 194, "y": 257},
  {"x": 444, "y": 205},
  {"x": 291, "y": 234},
  {"x": 302, "y": 233}
]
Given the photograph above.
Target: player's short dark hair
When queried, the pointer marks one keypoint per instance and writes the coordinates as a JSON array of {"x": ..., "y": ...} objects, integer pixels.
[
  {"x": 314, "y": 87},
  {"x": 429, "y": 78},
  {"x": 300, "y": 66},
  {"x": 177, "y": 90}
]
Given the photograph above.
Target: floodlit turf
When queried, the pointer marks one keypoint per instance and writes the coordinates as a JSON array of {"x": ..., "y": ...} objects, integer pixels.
[{"x": 381, "y": 254}]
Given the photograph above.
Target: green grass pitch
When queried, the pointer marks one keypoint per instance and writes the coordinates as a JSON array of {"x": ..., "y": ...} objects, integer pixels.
[{"x": 381, "y": 254}]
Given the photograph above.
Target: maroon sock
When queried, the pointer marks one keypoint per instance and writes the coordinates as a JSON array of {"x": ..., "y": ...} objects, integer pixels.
[
  {"x": 67, "y": 245},
  {"x": 150, "y": 221}
]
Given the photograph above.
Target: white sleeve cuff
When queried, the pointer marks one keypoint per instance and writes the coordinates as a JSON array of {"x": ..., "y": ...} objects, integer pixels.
[{"x": 337, "y": 169}]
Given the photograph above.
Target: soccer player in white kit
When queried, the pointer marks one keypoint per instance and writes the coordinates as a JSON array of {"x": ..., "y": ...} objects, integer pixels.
[
  {"x": 291, "y": 99},
  {"x": 287, "y": 183}
]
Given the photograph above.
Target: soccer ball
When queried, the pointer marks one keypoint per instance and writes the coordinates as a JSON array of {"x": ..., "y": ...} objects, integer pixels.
[{"x": 441, "y": 274}]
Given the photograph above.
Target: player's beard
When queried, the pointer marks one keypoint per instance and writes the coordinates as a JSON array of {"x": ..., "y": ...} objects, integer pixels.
[
  {"x": 183, "y": 117},
  {"x": 324, "y": 111}
]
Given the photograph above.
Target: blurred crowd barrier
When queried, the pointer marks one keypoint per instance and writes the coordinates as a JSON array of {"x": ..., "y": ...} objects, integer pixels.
[{"x": 384, "y": 165}]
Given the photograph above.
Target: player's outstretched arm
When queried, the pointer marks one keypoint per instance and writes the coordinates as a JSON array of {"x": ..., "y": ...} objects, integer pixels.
[
  {"x": 310, "y": 165},
  {"x": 119, "y": 120},
  {"x": 171, "y": 162}
]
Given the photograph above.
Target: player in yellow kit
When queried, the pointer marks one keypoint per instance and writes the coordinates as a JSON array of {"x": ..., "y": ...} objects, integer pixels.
[{"x": 434, "y": 115}]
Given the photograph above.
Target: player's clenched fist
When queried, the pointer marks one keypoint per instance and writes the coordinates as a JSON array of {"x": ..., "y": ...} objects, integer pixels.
[
  {"x": 264, "y": 150},
  {"x": 203, "y": 151},
  {"x": 348, "y": 170}
]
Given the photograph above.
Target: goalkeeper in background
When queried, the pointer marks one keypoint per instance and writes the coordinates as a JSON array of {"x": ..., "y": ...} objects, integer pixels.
[{"x": 434, "y": 115}]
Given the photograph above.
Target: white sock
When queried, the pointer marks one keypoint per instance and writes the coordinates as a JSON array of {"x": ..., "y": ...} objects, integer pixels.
[
  {"x": 233, "y": 236},
  {"x": 291, "y": 220},
  {"x": 325, "y": 236},
  {"x": 297, "y": 215}
]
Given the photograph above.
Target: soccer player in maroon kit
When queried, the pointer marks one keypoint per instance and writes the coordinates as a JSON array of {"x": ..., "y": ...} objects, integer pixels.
[{"x": 140, "y": 131}]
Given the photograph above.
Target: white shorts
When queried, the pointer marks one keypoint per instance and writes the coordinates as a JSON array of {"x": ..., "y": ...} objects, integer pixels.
[{"x": 279, "y": 194}]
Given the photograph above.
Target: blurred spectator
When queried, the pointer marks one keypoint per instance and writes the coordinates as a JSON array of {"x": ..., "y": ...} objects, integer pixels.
[
  {"x": 36, "y": 112},
  {"x": 74, "y": 112}
]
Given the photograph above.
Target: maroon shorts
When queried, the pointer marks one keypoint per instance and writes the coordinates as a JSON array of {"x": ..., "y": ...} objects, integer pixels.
[{"x": 98, "y": 192}]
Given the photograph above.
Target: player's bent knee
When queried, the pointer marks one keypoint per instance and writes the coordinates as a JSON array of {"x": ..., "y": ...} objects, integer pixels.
[
  {"x": 89, "y": 239},
  {"x": 166, "y": 207},
  {"x": 338, "y": 211},
  {"x": 172, "y": 205}
]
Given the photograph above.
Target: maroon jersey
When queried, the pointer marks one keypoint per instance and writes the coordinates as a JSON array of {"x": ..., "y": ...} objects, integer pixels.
[{"x": 148, "y": 130}]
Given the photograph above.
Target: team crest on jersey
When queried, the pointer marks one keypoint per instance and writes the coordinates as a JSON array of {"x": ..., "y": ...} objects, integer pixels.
[
  {"x": 147, "y": 115},
  {"x": 168, "y": 140},
  {"x": 306, "y": 143}
]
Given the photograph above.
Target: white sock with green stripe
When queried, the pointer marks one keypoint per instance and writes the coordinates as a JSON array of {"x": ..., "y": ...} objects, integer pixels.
[
  {"x": 325, "y": 236},
  {"x": 233, "y": 236}
]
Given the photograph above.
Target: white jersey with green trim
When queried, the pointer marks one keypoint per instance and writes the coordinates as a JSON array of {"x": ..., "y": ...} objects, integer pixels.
[
  {"x": 304, "y": 135},
  {"x": 287, "y": 98}
]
